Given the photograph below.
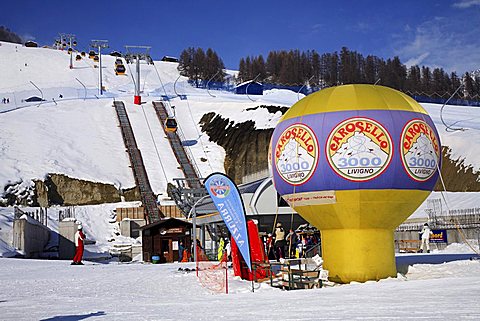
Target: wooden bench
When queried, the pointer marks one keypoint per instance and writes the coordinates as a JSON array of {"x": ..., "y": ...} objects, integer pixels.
[
  {"x": 284, "y": 276},
  {"x": 408, "y": 246}
]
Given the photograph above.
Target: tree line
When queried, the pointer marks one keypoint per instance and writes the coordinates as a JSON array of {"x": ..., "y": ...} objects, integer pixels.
[
  {"x": 297, "y": 68},
  {"x": 201, "y": 66}
]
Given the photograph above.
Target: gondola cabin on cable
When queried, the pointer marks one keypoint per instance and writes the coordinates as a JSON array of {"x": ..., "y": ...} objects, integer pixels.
[
  {"x": 96, "y": 59},
  {"x": 78, "y": 57},
  {"x": 70, "y": 50},
  {"x": 162, "y": 241},
  {"x": 119, "y": 69},
  {"x": 83, "y": 54},
  {"x": 171, "y": 124},
  {"x": 91, "y": 54},
  {"x": 118, "y": 61}
]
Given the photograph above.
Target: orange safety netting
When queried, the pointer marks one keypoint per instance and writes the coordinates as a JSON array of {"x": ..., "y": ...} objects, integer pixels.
[{"x": 212, "y": 274}]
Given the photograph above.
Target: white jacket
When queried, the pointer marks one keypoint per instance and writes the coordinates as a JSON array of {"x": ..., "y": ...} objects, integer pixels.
[
  {"x": 426, "y": 232},
  {"x": 78, "y": 237}
]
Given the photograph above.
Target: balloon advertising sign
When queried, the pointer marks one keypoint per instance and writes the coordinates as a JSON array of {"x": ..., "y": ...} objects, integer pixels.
[{"x": 355, "y": 161}]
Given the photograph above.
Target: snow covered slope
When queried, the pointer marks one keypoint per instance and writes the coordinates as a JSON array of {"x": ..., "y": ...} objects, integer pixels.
[{"x": 74, "y": 133}]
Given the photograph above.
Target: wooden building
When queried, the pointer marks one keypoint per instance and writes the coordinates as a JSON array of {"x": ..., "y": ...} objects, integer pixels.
[{"x": 163, "y": 238}]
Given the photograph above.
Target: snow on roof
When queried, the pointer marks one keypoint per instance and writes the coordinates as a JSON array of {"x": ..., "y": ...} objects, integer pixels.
[{"x": 247, "y": 82}]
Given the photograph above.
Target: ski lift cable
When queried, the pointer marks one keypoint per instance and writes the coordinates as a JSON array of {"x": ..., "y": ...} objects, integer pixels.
[
  {"x": 182, "y": 136},
  {"x": 131, "y": 74},
  {"x": 292, "y": 205},
  {"x": 161, "y": 82},
  {"x": 144, "y": 80},
  {"x": 155, "y": 145},
  {"x": 449, "y": 128},
  {"x": 246, "y": 89},
  {"x": 175, "y": 85},
  {"x": 210, "y": 81},
  {"x": 199, "y": 136},
  {"x": 307, "y": 82},
  {"x": 444, "y": 197},
  {"x": 180, "y": 131},
  {"x": 165, "y": 91}
]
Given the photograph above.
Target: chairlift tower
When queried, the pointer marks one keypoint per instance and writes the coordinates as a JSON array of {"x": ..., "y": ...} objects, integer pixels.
[
  {"x": 136, "y": 54},
  {"x": 71, "y": 42},
  {"x": 99, "y": 44}
]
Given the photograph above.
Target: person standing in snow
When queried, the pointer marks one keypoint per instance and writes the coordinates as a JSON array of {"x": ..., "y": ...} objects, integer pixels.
[
  {"x": 269, "y": 247},
  {"x": 228, "y": 249},
  {"x": 79, "y": 238},
  {"x": 181, "y": 248},
  {"x": 221, "y": 249},
  {"x": 292, "y": 239},
  {"x": 280, "y": 241},
  {"x": 426, "y": 232}
]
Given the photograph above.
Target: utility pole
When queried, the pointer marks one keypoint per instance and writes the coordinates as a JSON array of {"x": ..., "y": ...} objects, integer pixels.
[
  {"x": 136, "y": 54},
  {"x": 99, "y": 44},
  {"x": 71, "y": 43}
]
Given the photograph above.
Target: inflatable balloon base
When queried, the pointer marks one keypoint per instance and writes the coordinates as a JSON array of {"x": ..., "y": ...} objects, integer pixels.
[{"x": 358, "y": 254}]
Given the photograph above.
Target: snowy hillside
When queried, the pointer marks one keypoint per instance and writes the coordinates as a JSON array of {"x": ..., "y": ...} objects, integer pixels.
[
  {"x": 79, "y": 137},
  {"x": 74, "y": 131}
]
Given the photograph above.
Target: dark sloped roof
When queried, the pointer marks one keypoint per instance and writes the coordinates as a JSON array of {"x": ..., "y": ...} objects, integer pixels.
[{"x": 164, "y": 221}]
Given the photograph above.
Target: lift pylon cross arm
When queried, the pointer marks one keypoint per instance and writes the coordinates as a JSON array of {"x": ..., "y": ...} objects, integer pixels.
[
  {"x": 99, "y": 44},
  {"x": 135, "y": 54}
]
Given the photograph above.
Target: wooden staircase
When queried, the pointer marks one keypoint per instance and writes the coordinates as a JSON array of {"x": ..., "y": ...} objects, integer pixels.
[
  {"x": 175, "y": 142},
  {"x": 137, "y": 165}
]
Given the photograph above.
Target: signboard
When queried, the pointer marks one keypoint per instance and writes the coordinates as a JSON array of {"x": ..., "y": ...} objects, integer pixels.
[
  {"x": 227, "y": 200},
  {"x": 438, "y": 236}
]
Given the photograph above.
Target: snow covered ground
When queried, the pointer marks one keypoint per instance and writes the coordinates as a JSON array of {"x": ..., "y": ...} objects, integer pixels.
[{"x": 54, "y": 290}]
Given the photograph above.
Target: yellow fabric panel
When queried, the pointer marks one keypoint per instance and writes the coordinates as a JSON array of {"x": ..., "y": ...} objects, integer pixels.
[
  {"x": 386, "y": 208},
  {"x": 353, "y": 97},
  {"x": 357, "y": 231},
  {"x": 358, "y": 254}
]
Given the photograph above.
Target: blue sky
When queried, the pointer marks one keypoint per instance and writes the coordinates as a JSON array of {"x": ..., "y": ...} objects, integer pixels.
[{"x": 436, "y": 33}]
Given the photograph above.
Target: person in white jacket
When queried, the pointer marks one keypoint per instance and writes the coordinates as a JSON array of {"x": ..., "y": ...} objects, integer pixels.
[
  {"x": 426, "y": 232},
  {"x": 79, "y": 238}
]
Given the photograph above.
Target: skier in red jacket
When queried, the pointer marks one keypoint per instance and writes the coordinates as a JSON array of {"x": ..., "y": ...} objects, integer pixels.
[{"x": 79, "y": 238}]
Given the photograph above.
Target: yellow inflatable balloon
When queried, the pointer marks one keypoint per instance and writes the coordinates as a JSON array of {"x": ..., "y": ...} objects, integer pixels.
[{"x": 355, "y": 161}]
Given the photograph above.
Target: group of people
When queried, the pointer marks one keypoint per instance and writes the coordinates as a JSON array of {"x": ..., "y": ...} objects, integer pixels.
[
  {"x": 281, "y": 246},
  {"x": 5, "y": 100}
]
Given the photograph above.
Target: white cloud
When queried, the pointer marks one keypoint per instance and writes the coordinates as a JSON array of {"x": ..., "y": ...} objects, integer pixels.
[
  {"x": 450, "y": 43},
  {"x": 466, "y": 4},
  {"x": 417, "y": 60}
]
